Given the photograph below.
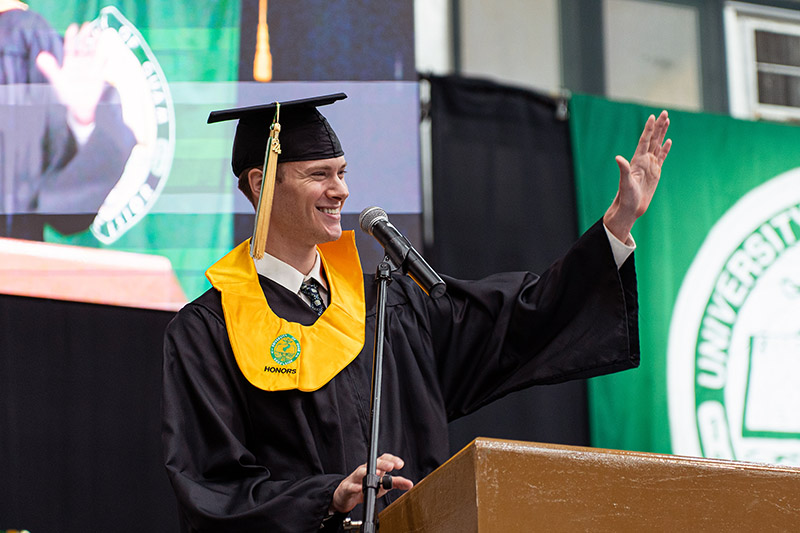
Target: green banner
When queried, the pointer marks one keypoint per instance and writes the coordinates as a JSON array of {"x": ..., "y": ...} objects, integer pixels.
[{"x": 719, "y": 285}]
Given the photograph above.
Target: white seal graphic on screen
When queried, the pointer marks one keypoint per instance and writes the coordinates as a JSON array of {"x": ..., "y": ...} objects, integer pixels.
[
  {"x": 733, "y": 360},
  {"x": 148, "y": 109}
]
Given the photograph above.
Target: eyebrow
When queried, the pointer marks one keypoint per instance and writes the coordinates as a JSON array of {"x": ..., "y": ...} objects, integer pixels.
[{"x": 325, "y": 166}]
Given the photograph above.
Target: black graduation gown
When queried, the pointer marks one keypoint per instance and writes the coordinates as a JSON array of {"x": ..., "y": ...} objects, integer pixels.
[
  {"x": 23, "y": 35},
  {"x": 242, "y": 459}
]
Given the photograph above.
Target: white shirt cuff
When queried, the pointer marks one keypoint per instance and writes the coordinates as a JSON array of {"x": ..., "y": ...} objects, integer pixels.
[{"x": 621, "y": 250}]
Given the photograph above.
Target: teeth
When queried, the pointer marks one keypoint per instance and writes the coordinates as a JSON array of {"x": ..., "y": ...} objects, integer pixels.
[{"x": 330, "y": 211}]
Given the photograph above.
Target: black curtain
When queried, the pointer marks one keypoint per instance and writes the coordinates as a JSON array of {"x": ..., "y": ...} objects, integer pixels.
[
  {"x": 504, "y": 200},
  {"x": 80, "y": 421}
]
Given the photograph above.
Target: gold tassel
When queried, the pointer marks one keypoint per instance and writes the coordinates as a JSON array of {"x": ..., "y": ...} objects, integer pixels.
[
  {"x": 264, "y": 211},
  {"x": 262, "y": 63}
]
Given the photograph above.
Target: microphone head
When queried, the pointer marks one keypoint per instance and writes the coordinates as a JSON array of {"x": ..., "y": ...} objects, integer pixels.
[{"x": 370, "y": 216}]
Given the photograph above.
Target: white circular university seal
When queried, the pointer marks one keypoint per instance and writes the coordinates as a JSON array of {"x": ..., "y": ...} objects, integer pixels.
[
  {"x": 733, "y": 360},
  {"x": 148, "y": 110}
]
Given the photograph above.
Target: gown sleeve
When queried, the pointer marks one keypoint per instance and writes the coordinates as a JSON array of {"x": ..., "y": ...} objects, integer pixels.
[
  {"x": 81, "y": 177},
  {"x": 579, "y": 319},
  {"x": 219, "y": 483}
]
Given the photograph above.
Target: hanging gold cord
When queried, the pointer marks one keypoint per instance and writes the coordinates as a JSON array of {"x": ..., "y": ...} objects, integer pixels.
[{"x": 264, "y": 210}]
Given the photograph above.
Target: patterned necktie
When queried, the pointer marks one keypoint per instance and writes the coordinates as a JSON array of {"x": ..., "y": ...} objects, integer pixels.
[{"x": 311, "y": 290}]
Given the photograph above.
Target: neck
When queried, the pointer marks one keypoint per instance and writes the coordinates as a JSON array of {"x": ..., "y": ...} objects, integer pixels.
[{"x": 300, "y": 257}]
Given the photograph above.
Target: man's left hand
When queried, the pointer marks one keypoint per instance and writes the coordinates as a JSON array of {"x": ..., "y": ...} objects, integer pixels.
[
  {"x": 349, "y": 493},
  {"x": 79, "y": 81}
]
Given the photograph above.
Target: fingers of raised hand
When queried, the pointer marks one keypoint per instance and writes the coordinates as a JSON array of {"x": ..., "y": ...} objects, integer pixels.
[
  {"x": 659, "y": 132},
  {"x": 652, "y": 137},
  {"x": 647, "y": 134},
  {"x": 664, "y": 151},
  {"x": 70, "y": 40},
  {"x": 86, "y": 40},
  {"x": 48, "y": 65},
  {"x": 624, "y": 166}
]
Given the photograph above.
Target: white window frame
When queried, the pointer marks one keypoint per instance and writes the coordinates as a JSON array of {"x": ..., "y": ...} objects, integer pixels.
[{"x": 741, "y": 23}]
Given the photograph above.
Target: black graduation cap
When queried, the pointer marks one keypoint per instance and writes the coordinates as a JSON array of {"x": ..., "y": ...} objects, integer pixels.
[
  {"x": 305, "y": 134},
  {"x": 289, "y": 131}
]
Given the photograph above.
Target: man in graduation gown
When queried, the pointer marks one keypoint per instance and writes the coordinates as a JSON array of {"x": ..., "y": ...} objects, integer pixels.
[{"x": 266, "y": 403}]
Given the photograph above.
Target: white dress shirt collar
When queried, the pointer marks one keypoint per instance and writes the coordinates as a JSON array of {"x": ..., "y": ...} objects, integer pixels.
[{"x": 289, "y": 277}]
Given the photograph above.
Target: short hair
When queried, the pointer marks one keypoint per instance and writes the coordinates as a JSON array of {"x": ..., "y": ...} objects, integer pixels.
[{"x": 244, "y": 183}]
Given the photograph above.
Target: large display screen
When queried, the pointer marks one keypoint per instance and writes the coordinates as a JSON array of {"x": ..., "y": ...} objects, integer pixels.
[{"x": 111, "y": 182}]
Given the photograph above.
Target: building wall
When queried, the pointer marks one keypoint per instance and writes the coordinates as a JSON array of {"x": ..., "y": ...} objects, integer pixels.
[{"x": 659, "y": 52}]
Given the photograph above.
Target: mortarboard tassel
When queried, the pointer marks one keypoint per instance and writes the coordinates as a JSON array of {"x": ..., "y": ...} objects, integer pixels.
[
  {"x": 263, "y": 212},
  {"x": 262, "y": 62}
]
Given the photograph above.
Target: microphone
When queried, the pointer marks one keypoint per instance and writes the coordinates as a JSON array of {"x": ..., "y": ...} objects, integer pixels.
[{"x": 373, "y": 220}]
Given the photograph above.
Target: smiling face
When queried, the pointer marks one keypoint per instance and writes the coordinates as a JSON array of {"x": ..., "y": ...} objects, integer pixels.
[{"x": 306, "y": 207}]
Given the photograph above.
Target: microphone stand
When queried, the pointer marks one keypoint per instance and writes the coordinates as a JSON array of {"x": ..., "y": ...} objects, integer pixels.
[{"x": 371, "y": 483}]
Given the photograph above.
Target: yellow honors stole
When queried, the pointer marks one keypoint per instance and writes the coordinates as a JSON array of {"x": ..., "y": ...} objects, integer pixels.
[{"x": 275, "y": 354}]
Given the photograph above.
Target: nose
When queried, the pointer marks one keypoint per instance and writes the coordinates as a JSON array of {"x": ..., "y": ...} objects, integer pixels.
[{"x": 339, "y": 190}]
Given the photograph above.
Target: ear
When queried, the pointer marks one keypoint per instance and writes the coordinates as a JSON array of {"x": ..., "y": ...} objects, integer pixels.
[{"x": 255, "y": 177}]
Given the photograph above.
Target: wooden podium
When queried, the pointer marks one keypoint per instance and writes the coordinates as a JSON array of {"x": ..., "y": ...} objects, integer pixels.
[
  {"x": 511, "y": 486},
  {"x": 79, "y": 274}
]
